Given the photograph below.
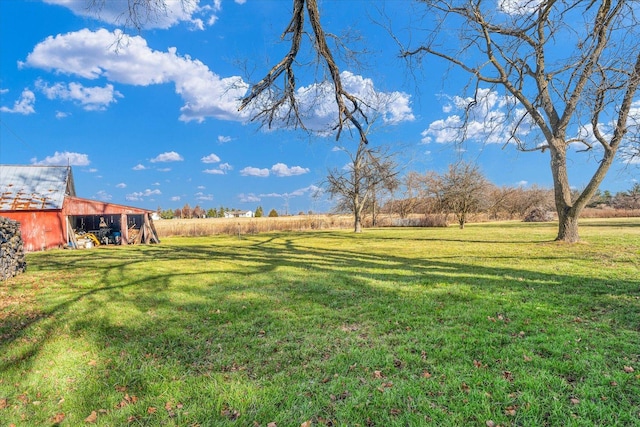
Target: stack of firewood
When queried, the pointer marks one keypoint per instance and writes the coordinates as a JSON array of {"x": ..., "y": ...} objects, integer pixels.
[{"x": 12, "y": 259}]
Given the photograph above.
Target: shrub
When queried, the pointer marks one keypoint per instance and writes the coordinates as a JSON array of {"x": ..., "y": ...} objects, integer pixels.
[{"x": 538, "y": 214}]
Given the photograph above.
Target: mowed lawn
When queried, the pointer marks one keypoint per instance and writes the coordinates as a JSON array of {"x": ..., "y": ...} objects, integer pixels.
[{"x": 493, "y": 325}]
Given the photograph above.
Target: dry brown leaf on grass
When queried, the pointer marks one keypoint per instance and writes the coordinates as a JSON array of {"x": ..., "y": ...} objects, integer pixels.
[
  {"x": 229, "y": 413},
  {"x": 629, "y": 369},
  {"x": 306, "y": 424},
  {"x": 478, "y": 364},
  {"x": 58, "y": 418},
  {"x": 378, "y": 374},
  {"x": 92, "y": 418},
  {"x": 127, "y": 400}
]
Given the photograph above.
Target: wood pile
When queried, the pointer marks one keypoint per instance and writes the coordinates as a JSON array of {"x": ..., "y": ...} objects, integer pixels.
[{"x": 12, "y": 258}]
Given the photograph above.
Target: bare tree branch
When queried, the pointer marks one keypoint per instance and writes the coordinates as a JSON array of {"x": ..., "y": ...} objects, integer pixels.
[{"x": 350, "y": 111}]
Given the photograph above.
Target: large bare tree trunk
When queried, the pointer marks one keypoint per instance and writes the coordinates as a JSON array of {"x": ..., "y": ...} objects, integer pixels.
[
  {"x": 358, "y": 204},
  {"x": 567, "y": 213},
  {"x": 357, "y": 226},
  {"x": 568, "y": 226}
]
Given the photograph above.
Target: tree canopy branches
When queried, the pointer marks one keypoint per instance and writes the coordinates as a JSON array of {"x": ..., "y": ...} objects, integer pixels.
[
  {"x": 282, "y": 105},
  {"x": 571, "y": 66}
]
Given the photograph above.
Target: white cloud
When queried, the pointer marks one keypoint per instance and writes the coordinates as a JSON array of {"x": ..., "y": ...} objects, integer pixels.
[
  {"x": 164, "y": 169},
  {"x": 251, "y": 171},
  {"x": 317, "y": 102},
  {"x": 63, "y": 159},
  {"x": 175, "y": 198},
  {"x": 140, "y": 195},
  {"x": 61, "y": 114},
  {"x": 23, "y": 105},
  {"x": 280, "y": 169},
  {"x": 103, "y": 195},
  {"x": 312, "y": 190},
  {"x": 522, "y": 183},
  {"x": 121, "y": 185},
  {"x": 630, "y": 155},
  {"x": 222, "y": 169},
  {"x": 492, "y": 118},
  {"x": 240, "y": 1},
  {"x": 139, "y": 167},
  {"x": 129, "y": 60},
  {"x": 211, "y": 158},
  {"x": 90, "y": 98},
  {"x": 172, "y": 13},
  {"x": 169, "y": 156},
  {"x": 248, "y": 198},
  {"x": 204, "y": 197},
  {"x": 222, "y": 139},
  {"x": 518, "y": 7},
  {"x": 214, "y": 171},
  {"x": 201, "y": 187}
]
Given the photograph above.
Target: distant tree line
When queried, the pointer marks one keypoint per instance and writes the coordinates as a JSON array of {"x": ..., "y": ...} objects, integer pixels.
[
  {"x": 187, "y": 212},
  {"x": 462, "y": 191}
]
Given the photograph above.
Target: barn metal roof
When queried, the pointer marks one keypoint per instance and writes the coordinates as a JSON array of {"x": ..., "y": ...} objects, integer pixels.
[{"x": 34, "y": 187}]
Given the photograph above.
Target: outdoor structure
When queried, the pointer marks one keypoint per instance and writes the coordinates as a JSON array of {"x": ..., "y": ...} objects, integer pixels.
[
  {"x": 238, "y": 214},
  {"x": 43, "y": 200}
]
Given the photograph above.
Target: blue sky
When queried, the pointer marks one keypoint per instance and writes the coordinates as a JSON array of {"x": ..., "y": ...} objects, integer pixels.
[{"x": 150, "y": 118}]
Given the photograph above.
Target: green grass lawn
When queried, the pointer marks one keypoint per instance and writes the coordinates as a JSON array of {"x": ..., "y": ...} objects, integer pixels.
[{"x": 495, "y": 324}]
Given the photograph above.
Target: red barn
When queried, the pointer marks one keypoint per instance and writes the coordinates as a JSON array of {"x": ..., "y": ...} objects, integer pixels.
[{"x": 43, "y": 200}]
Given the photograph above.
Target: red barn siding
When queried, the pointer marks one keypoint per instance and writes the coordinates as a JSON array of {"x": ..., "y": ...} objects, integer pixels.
[
  {"x": 40, "y": 230},
  {"x": 78, "y": 206}
]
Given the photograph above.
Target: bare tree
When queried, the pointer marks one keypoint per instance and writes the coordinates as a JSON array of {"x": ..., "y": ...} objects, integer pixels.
[
  {"x": 628, "y": 199},
  {"x": 570, "y": 67},
  {"x": 411, "y": 196},
  {"x": 516, "y": 202},
  {"x": 462, "y": 190},
  {"x": 354, "y": 185},
  {"x": 187, "y": 212},
  {"x": 198, "y": 212}
]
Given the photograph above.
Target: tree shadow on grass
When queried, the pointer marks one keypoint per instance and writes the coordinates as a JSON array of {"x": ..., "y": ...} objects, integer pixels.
[{"x": 253, "y": 308}]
